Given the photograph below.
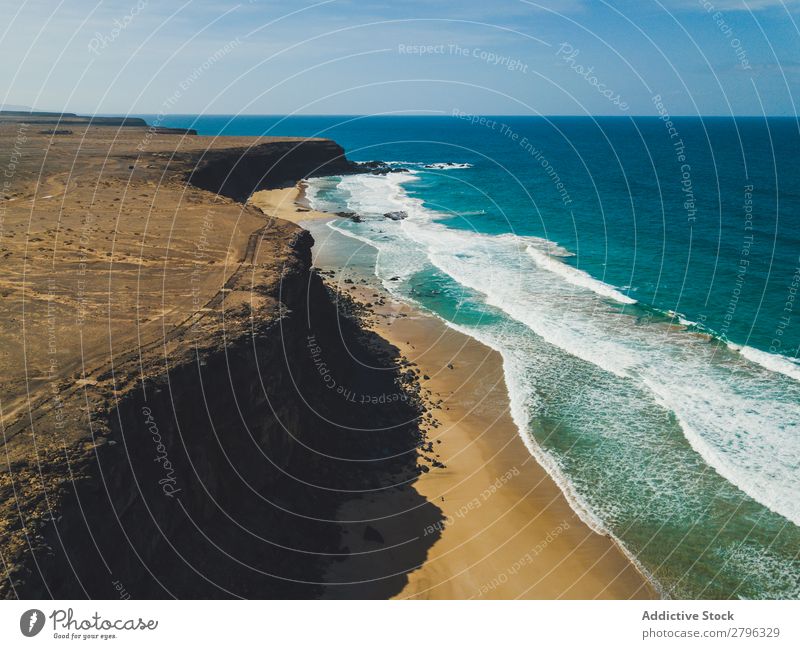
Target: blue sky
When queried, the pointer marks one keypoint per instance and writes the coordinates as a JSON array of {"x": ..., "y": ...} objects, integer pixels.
[{"x": 602, "y": 57}]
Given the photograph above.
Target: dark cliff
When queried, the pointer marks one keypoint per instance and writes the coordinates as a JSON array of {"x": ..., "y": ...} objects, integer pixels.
[
  {"x": 213, "y": 460},
  {"x": 238, "y": 173}
]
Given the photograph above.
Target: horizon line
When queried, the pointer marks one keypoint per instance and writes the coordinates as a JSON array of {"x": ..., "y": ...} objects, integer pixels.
[
  {"x": 443, "y": 115},
  {"x": 440, "y": 114}
]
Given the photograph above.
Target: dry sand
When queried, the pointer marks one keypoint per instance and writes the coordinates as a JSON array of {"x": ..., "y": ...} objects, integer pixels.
[{"x": 287, "y": 203}]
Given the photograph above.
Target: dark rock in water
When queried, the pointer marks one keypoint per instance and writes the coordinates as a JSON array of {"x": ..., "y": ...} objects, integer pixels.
[
  {"x": 396, "y": 216},
  {"x": 371, "y": 164},
  {"x": 377, "y": 168},
  {"x": 394, "y": 279},
  {"x": 355, "y": 218},
  {"x": 371, "y": 534},
  {"x": 374, "y": 167}
]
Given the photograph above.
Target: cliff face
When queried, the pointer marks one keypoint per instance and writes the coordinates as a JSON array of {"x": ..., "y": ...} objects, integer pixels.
[
  {"x": 238, "y": 173},
  {"x": 208, "y": 452}
]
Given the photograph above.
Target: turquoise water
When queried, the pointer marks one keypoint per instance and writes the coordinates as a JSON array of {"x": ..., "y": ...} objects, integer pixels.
[{"x": 640, "y": 284}]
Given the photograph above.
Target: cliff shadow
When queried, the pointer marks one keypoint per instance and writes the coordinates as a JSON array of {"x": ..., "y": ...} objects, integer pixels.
[
  {"x": 275, "y": 466},
  {"x": 386, "y": 527}
]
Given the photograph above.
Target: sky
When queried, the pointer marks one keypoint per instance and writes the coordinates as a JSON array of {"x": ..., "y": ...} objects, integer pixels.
[{"x": 482, "y": 57}]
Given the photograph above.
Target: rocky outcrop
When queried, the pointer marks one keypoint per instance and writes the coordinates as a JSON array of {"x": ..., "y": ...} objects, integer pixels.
[
  {"x": 396, "y": 216},
  {"x": 238, "y": 173}
]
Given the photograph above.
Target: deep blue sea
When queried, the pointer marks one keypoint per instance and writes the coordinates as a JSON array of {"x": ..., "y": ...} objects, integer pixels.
[{"x": 640, "y": 280}]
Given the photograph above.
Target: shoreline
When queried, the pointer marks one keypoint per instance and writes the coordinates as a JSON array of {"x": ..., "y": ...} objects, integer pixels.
[{"x": 507, "y": 530}]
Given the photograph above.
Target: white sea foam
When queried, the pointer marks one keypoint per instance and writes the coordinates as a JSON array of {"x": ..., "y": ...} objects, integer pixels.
[
  {"x": 577, "y": 277},
  {"x": 315, "y": 190},
  {"x": 448, "y": 165},
  {"x": 765, "y": 572},
  {"x": 372, "y": 196},
  {"x": 312, "y": 190},
  {"x": 773, "y": 362},
  {"x": 431, "y": 165},
  {"x": 682, "y": 319}
]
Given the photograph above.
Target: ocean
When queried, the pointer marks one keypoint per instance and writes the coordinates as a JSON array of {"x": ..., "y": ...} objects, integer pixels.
[{"x": 639, "y": 277}]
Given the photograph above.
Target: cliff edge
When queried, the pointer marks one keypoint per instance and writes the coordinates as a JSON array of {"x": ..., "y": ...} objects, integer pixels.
[{"x": 185, "y": 407}]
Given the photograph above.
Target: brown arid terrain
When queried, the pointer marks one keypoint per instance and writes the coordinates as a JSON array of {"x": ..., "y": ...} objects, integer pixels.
[{"x": 181, "y": 396}]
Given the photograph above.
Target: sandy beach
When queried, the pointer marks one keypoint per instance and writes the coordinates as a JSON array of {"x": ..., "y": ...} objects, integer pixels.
[
  {"x": 287, "y": 203},
  {"x": 506, "y": 531}
]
